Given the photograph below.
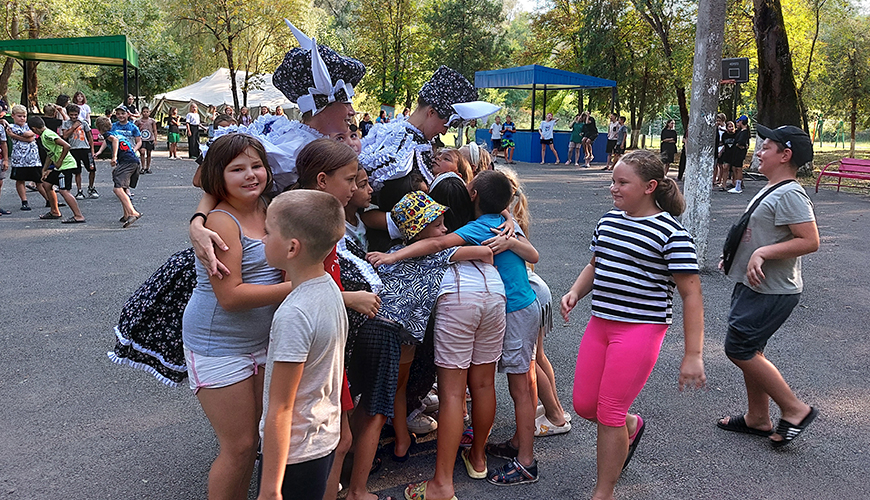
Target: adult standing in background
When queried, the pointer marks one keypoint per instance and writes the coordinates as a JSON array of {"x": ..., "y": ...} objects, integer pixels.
[
  {"x": 546, "y": 131},
  {"x": 132, "y": 110},
  {"x": 495, "y": 131},
  {"x": 193, "y": 122},
  {"x": 365, "y": 125},
  {"x": 382, "y": 117},
  {"x": 668, "y": 146}
]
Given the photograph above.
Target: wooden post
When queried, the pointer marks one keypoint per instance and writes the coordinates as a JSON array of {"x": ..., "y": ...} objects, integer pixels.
[{"x": 706, "y": 76}]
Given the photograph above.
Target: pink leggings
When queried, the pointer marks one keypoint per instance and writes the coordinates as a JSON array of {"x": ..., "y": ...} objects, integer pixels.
[{"x": 613, "y": 364}]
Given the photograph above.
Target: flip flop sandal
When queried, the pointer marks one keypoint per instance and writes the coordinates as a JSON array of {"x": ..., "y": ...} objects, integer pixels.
[
  {"x": 50, "y": 216},
  {"x": 790, "y": 431},
  {"x": 72, "y": 220},
  {"x": 418, "y": 491},
  {"x": 632, "y": 446},
  {"x": 467, "y": 438},
  {"x": 502, "y": 450},
  {"x": 376, "y": 465},
  {"x": 130, "y": 220},
  {"x": 513, "y": 473},
  {"x": 469, "y": 468},
  {"x": 737, "y": 423}
]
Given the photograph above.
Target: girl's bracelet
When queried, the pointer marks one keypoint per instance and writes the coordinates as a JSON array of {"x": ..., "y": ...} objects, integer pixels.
[{"x": 199, "y": 214}]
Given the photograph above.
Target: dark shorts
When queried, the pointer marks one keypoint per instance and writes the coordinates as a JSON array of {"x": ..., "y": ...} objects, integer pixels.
[
  {"x": 753, "y": 319},
  {"x": 148, "y": 145},
  {"x": 33, "y": 174},
  {"x": 546, "y": 141},
  {"x": 84, "y": 160},
  {"x": 496, "y": 144},
  {"x": 611, "y": 145},
  {"x": 590, "y": 137},
  {"x": 618, "y": 150},
  {"x": 122, "y": 173},
  {"x": 305, "y": 479},
  {"x": 63, "y": 179},
  {"x": 373, "y": 367}
]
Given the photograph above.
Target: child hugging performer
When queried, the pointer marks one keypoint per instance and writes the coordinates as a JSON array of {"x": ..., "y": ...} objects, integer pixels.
[{"x": 640, "y": 252}]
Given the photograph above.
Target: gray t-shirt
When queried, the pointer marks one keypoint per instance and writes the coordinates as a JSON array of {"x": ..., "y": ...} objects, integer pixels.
[
  {"x": 769, "y": 225},
  {"x": 310, "y": 327},
  {"x": 79, "y": 138}
]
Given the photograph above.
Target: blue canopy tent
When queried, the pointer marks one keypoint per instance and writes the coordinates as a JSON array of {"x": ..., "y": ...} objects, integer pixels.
[{"x": 534, "y": 78}]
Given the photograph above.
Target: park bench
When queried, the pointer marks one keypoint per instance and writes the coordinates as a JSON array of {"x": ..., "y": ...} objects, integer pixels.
[{"x": 847, "y": 168}]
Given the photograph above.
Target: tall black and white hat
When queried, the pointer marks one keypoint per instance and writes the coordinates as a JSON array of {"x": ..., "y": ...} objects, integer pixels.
[
  {"x": 314, "y": 76},
  {"x": 446, "y": 88}
]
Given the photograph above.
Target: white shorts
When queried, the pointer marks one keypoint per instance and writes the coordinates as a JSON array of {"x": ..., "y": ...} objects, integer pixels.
[{"x": 212, "y": 372}]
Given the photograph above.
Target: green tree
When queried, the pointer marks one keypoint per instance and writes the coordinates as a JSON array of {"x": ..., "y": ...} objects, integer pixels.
[
  {"x": 848, "y": 71},
  {"x": 465, "y": 34}
]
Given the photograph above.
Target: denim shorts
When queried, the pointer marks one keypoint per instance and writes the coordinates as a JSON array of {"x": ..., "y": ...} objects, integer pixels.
[{"x": 753, "y": 319}]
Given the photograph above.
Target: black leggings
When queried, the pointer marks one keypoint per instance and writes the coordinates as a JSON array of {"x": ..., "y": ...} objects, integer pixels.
[
  {"x": 306, "y": 480},
  {"x": 193, "y": 142}
]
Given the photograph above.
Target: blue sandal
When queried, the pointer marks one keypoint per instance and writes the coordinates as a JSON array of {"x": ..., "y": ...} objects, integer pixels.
[{"x": 513, "y": 473}]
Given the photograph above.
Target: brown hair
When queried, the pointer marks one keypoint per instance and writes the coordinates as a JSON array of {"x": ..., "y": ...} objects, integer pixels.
[
  {"x": 649, "y": 167},
  {"x": 224, "y": 149},
  {"x": 323, "y": 155},
  {"x": 102, "y": 123},
  {"x": 314, "y": 218},
  {"x": 519, "y": 204}
]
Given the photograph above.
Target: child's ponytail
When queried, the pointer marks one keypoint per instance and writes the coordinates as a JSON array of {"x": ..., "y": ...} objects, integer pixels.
[{"x": 649, "y": 167}]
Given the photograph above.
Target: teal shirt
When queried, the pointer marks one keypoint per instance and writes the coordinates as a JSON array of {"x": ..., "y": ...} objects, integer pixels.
[{"x": 576, "y": 132}]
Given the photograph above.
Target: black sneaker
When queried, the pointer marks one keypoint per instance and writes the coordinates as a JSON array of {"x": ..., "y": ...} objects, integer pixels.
[
  {"x": 513, "y": 473},
  {"x": 25, "y": 207}
]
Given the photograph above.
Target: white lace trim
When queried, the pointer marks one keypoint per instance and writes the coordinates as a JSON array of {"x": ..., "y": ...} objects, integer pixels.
[
  {"x": 388, "y": 152},
  {"x": 368, "y": 272}
]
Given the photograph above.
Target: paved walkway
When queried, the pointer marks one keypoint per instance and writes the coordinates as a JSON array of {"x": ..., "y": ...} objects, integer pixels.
[{"x": 77, "y": 426}]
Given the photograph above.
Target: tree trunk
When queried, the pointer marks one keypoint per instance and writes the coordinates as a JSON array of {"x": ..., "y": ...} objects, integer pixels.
[
  {"x": 776, "y": 95},
  {"x": 31, "y": 100},
  {"x": 8, "y": 66},
  {"x": 853, "y": 119},
  {"x": 705, "y": 102}
]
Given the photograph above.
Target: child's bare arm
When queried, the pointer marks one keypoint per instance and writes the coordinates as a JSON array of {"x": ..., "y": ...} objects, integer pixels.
[
  {"x": 481, "y": 253},
  {"x": 375, "y": 219},
  {"x": 65, "y": 151},
  {"x": 4, "y": 149},
  {"x": 417, "y": 249},
  {"x": 232, "y": 293},
  {"x": 67, "y": 132},
  {"x": 285, "y": 378},
  {"x": 363, "y": 302},
  {"x": 518, "y": 245},
  {"x": 692, "y": 367},
  {"x": 204, "y": 240},
  {"x": 115, "y": 144},
  {"x": 581, "y": 287},
  {"x": 27, "y": 136}
]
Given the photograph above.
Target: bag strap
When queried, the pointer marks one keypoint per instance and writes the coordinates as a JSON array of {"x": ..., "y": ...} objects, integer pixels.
[{"x": 764, "y": 194}]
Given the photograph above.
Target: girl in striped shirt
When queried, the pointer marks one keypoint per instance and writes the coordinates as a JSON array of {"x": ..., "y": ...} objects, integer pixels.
[{"x": 640, "y": 253}]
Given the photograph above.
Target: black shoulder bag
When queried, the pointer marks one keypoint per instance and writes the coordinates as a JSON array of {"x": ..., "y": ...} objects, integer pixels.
[{"x": 735, "y": 234}]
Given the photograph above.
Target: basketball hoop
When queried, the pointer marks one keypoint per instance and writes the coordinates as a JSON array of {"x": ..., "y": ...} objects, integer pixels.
[{"x": 727, "y": 82}]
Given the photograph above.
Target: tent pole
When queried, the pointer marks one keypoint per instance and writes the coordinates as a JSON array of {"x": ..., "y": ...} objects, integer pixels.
[
  {"x": 126, "y": 92},
  {"x": 534, "y": 88}
]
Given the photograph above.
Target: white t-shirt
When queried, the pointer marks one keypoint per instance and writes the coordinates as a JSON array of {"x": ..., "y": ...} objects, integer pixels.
[
  {"x": 546, "y": 129},
  {"x": 192, "y": 118},
  {"x": 612, "y": 130},
  {"x": 85, "y": 113},
  {"x": 471, "y": 276},
  {"x": 495, "y": 130},
  {"x": 310, "y": 327}
]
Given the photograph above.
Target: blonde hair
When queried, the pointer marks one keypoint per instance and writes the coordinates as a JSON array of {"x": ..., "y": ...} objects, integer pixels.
[
  {"x": 484, "y": 160},
  {"x": 18, "y": 109},
  {"x": 519, "y": 204},
  {"x": 314, "y": 218},
  {"x": 462, "y": 166}
]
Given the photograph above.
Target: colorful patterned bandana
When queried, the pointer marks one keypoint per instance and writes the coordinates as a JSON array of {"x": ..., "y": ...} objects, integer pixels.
[{"x": 414, "y": 212}]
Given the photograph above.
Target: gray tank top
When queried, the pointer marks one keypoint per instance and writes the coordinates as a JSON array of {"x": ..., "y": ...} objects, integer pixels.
[{"x": 209, "y": 330}]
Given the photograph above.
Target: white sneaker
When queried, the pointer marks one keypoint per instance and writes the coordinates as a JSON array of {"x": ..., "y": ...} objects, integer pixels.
[
  {"x": 736, "y": 190},
  {"x": 419, "y": 423},
  {"x": 543, "y": 427},
  {"x": 431, "y": 402}
]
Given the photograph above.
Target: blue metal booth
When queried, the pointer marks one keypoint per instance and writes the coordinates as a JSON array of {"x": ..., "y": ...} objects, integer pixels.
[{"x": 534, "y": 78}]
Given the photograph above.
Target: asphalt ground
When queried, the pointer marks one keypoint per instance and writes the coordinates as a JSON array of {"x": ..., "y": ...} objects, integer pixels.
[{"x": 76, "y": 426}]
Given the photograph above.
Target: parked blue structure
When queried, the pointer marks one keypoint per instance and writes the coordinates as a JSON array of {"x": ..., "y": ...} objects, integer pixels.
[{"x": 534, "y": 78}]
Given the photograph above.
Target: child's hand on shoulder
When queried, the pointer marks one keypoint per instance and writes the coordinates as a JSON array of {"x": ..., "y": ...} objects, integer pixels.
[
  {"x": 499, "y": 243},
  {"x": 380, "y": 259}
]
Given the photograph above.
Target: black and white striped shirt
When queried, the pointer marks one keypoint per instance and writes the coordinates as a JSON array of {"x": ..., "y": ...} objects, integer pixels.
[{"x": 635, "y": 258}]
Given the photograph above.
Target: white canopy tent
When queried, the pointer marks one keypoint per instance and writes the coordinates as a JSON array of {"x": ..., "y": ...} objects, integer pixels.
[{"x": 215, "y": 90}]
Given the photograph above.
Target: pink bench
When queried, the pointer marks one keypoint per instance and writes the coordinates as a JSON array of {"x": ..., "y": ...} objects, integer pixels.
[{"x": 847, "y": 168}]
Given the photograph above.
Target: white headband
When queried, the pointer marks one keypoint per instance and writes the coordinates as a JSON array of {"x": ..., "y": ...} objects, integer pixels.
[{"x": 474, "y": 151}]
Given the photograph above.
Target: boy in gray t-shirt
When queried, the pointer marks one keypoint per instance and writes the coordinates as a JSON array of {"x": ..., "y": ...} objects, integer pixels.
[
  {"x": 767, "y": 271},
  {"x": 300, "y": 428},
  {"x": 81, "y": 146}
]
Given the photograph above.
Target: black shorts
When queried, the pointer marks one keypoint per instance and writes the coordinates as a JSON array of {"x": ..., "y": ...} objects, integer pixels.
[
  {"x": 63, "y": 179},
  {"x": 33, "y": 174},
  {"x": 546, "y": 141},
  {"x": 496, "y": 144},
  {"x": 611, "y": 144},
  {"x": 122, "y": 174},
  {"x": 307, "y": 479},
  {"x": 148, "y": 145},
  {"x": 84, "y": 160},
  {"x": 618, "y": 150},
  {"x": 753, "y": 319},
  {"x": 590, "y": 137}
]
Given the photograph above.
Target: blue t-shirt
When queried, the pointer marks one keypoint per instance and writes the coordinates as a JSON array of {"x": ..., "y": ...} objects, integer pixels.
[
  {"x": 507, "y": 130},
  {"x": 126, "y": 154},
  {"x": 128, "y": 130},
  {"x": 511, "y": 267}
]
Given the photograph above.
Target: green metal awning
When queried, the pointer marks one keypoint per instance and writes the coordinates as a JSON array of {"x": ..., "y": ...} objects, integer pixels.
[{"x": 100, "y": 50}]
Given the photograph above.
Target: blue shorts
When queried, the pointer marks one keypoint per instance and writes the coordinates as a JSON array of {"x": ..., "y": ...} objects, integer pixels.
[{"x": 753, "y": 319}]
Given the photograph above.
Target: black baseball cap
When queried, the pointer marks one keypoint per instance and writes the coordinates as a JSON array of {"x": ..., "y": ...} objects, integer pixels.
[{"x": 793, "y": 138}]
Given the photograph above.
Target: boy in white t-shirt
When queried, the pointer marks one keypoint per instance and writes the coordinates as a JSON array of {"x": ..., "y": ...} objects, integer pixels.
[
  {"x": 300, "y": 427},
  {"x": 495, "y": 131}
]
